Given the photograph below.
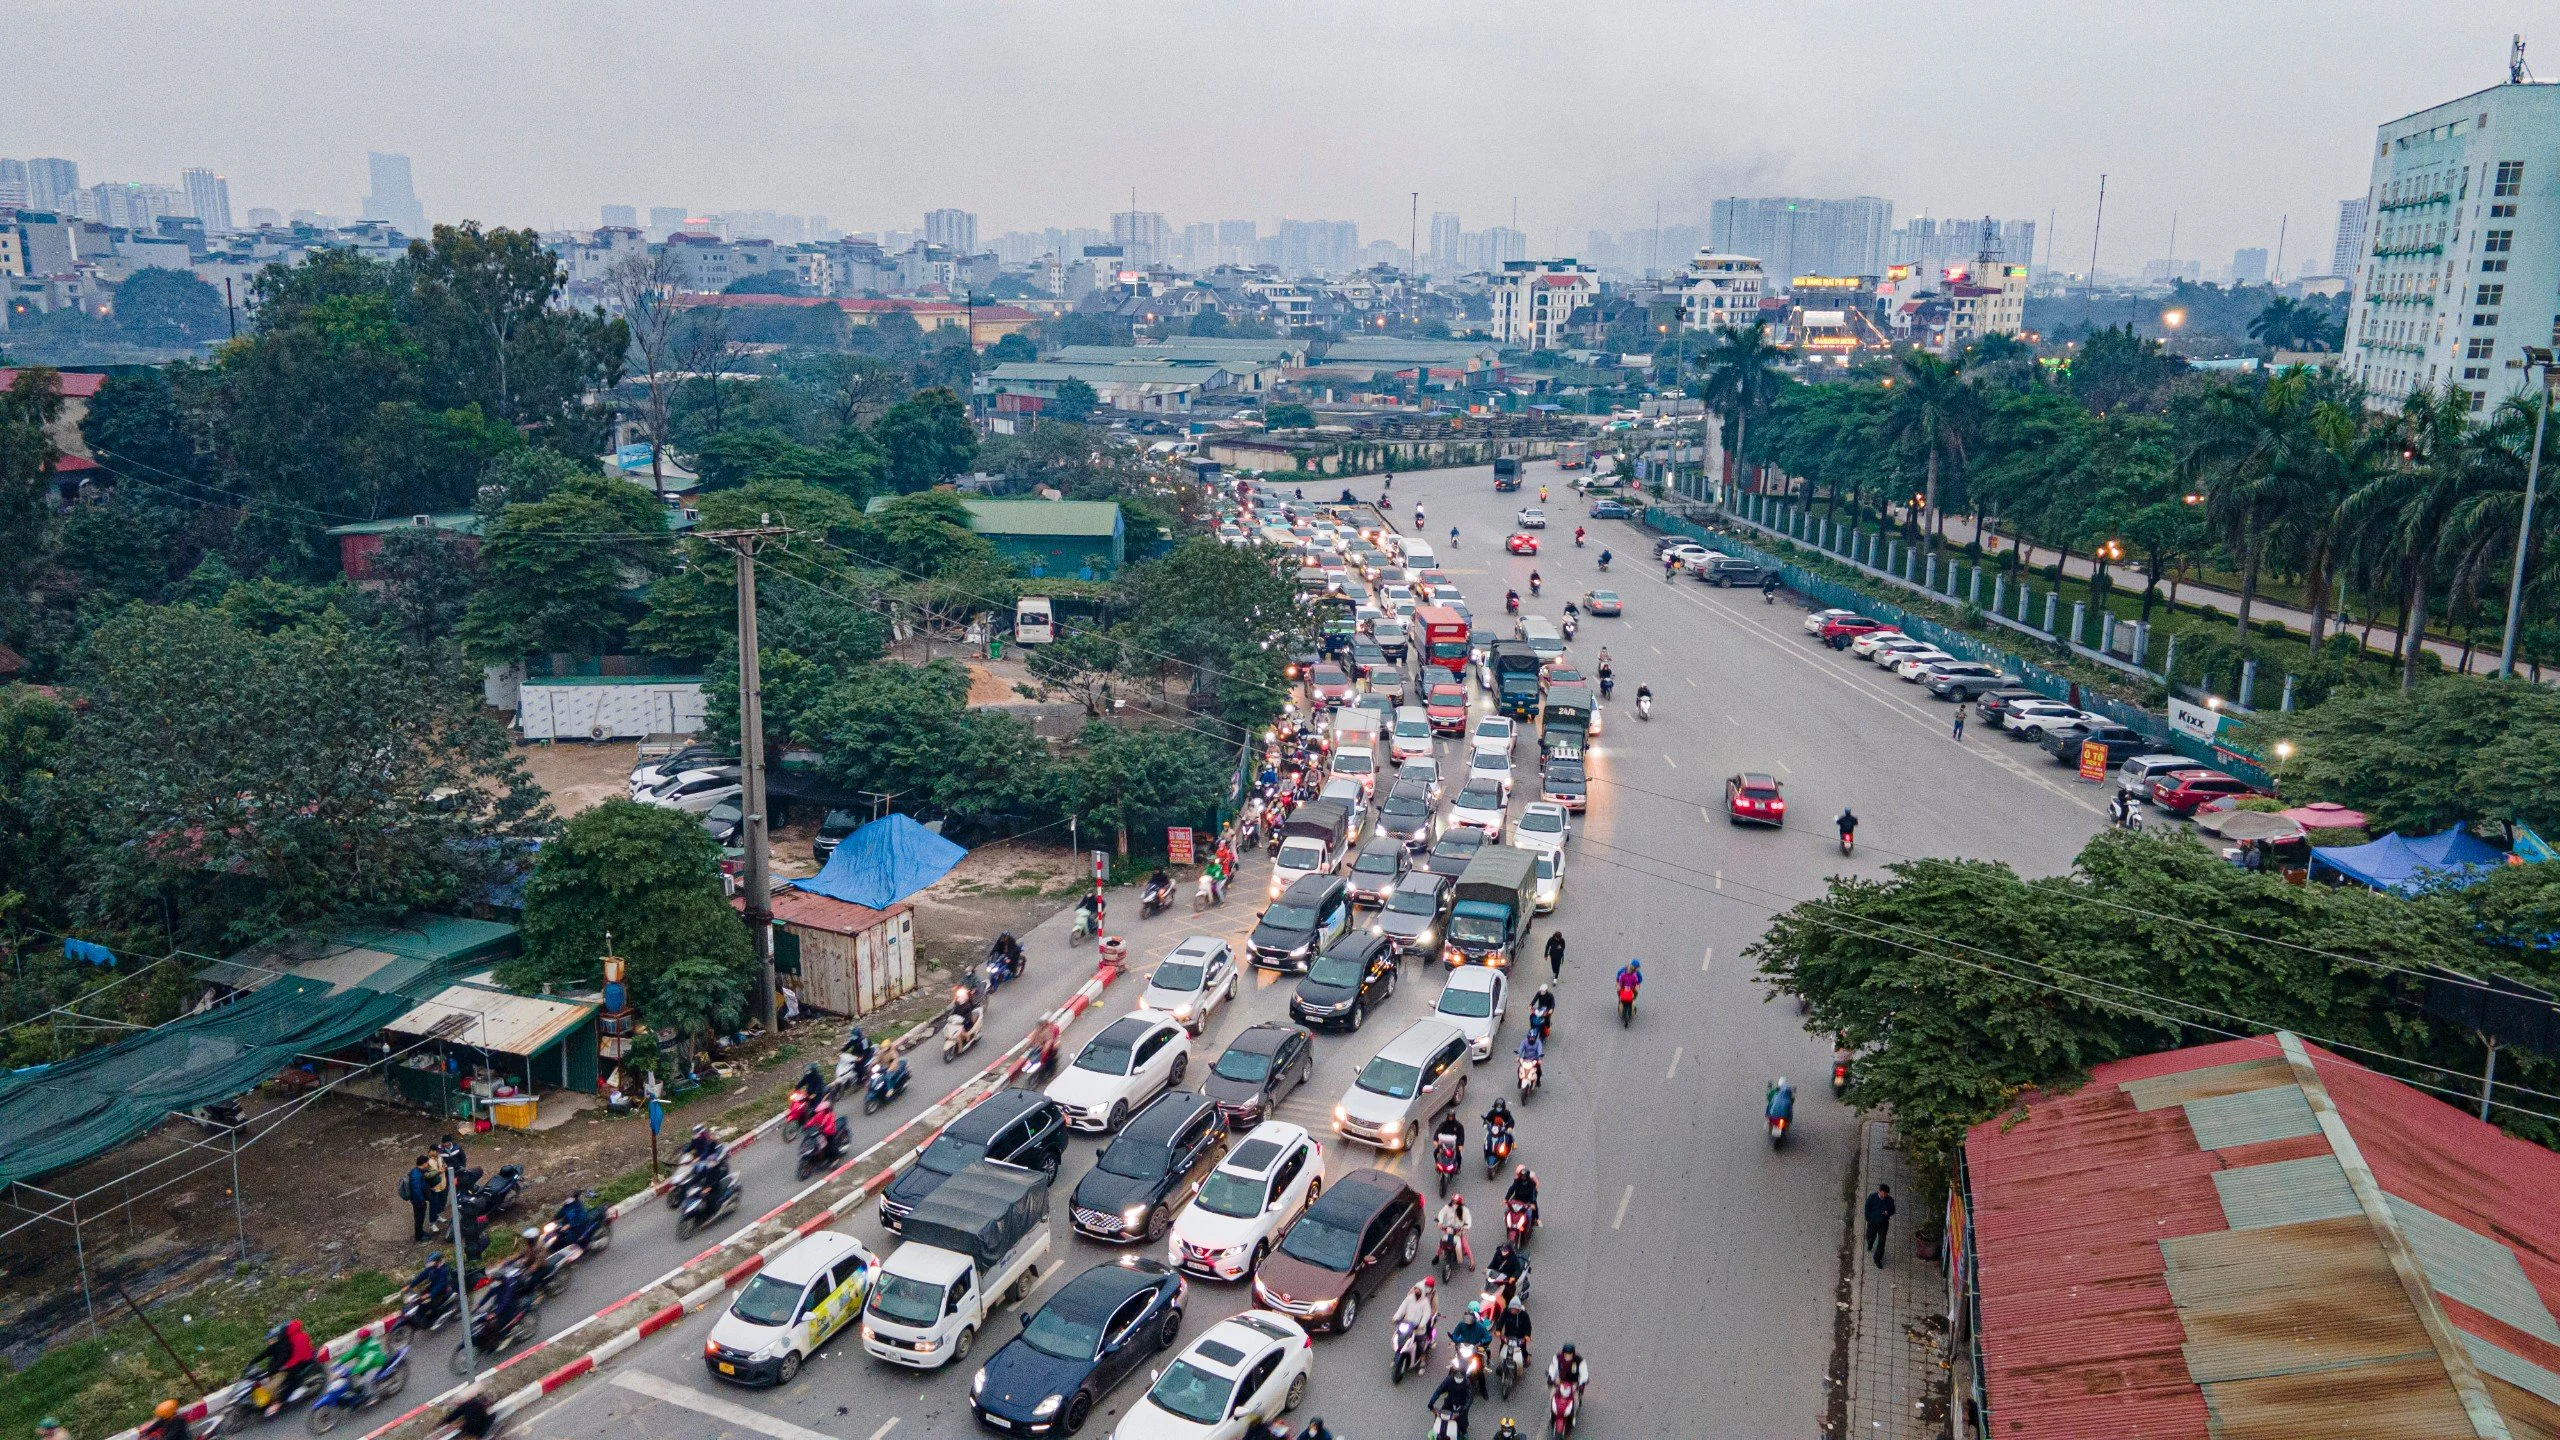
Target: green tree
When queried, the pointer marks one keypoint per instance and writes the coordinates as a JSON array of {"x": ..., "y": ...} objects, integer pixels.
[
  {"x": 1936, "y": 413},
  {"x": 28, "y": 410},
  {"x": 1739, "y": 382},
  {"x": 768, "y": 282},
  {"x": 1074, "y": 403},
  {"x": 854, "y": 467},
  {"x": 692, "y": 608},
  {"x": 480, "y": 304},
  {"x": 1137, "y": 778},
  {"x": 927, "y": 439},
  {"x": 928, "y": 534},
  {"x": 231, "y": 782},
  {"x": 1081, "y": 665},
  {"x": 1013, "y": 348},
  {"x": 427, "y": 577},
  {"x": 1288, "y": 417},
  {"x": 2118, "y": 369},
  {"x": 643, "y": 883},
  {"x": 885, "y": 728},
  {"x": 131, "y": 545},
  {"x": 2253, "y": 441},
  {"x": 160, "y": 306},
  {"x": 554, "y": 571},
  {"x": 1224, "y": 618},
  {"x": 138, "y": 427},
  {"x": 2448, "y": 751},
  {"x": 2405, "y": 511},
  {"x": 997, "y": 777}
]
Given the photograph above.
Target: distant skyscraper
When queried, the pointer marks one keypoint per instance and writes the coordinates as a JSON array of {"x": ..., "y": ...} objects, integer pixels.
[
  {"x": 13, "y": 185},
  {"x": 53, "y": 184},
  {"x": 1797, "y": 235},
  {"x": 395, "y": 196},
  {"x": 209, "y": 198},
  {"x": 1444, "y": 243},
  {"x": 954, "y": 230},
  {"x": 1319, "y": 247},
  {"x": 127, "y": 205},
  {"x": 2350, "y": 241},
  {"x": 665, "y": 220},
  {"x": 626, "y": 217},
  {"x": 1143, "y": 237},
  {"x": 1931, "y": 247},
  {"x": 2249, "y": 267}
]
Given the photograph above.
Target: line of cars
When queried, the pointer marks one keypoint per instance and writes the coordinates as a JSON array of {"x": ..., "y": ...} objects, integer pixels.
[{"x": 1709, "y": 567}]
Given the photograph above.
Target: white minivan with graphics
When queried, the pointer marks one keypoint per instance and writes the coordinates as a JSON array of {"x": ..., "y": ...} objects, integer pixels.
[{"x": 791, "y": 1307}]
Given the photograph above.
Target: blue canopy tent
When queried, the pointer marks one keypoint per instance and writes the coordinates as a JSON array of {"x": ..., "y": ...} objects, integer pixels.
[
  {"x": 883, "y": 863},
  {"x": 2409, "y": 867}
]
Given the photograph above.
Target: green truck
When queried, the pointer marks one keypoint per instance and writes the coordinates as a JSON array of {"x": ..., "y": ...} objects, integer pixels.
[
  {"x": 1564, "y": 728},
  {"x": 1515, "y": 670},
  {"x": 1495, "y": 896}
]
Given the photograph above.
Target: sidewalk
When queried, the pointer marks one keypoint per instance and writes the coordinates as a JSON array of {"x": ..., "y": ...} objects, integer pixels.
[{"x": 1897, "y": 1361}]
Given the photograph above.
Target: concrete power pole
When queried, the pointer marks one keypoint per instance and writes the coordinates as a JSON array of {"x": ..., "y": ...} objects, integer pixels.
[{"x": 743, "y": 544}]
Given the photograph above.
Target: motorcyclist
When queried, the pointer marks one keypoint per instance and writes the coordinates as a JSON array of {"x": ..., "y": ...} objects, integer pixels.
[
  {"x": 509, "y": 1291},
  {"x": 1542, "y": 1010},
  {"x": 829, "y": 1128},
  {"x": 1603, "y": 661},
  {"x": 966, "y": 1005},
  {"x": 1474, "y": 1330},
  {"x": 1454, "y": 1221},
  {"x": 1670, "y": 568},
  {"x": 1420, "y": 1308},
  {"x": 1160, "y": 884},
  {"x": 1505, "y": 1267},
  {"x": 165, "y": 1423},
  {"x": 1417, "y": 514},
  {"x": 1569, "y": 1365},
  {"x": 1524, "y": 1191},
  {"x": 1091, "y": 905},
  {"x": 858, "y": 1045},
  {"x": 1497, "y": 1116},
  {"x": 1513, "y": 1328},
  {"x": 1535, "y": 582},
  {"x": 813, "y": 1082},
  {"x": 1577, "y": 537},
  {"x": 433, "y": 1284},
  {"x": 366, "y": 1360},
  {"x": 1511, "y": 601},
  {"x": 1644, "y": 698},
  {"x": 1847, "y": 824},
  {"x": 1605, "y": 557},
  {"x": 701, "y": 1147},
  {"x": 1453, "y": 537},
  {"x": 1533, "y": 1049},
  {"x": 1631, "y": 975},
  {"x": 1451, "y": 1129},
  {"x": 1780, "y": 1102},
  {"x": 290, "y": 1357},
  {"x": 1452, "y": 1398}
]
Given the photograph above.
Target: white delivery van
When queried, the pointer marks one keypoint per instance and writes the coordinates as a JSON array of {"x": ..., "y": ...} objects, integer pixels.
[
  {"x": 972, "y": 1247},
  {"x": 1418, "y": 555},
  {"x": 1033, "y": 621},
  {"x": 790, "y": 1309}
]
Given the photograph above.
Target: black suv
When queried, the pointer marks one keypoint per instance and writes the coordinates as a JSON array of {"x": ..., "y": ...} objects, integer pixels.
[
  {"x": 1313, "y": 913},
  {"x": 1354, "y": 976},
  {"x": 1405, "y": 816},
  {"x": 1377, "y": 868},
  {"x": 1017, "y": 1127},
  {"x": 1417, "y": 915},
  {"x": 1146, "y": 1173},
  {"x": 1728, "y": 572},
  {"x": 1450, "y": 853},
  {"x": 2121, "y": 742},
  {"x": 1258, "y": 1069}
]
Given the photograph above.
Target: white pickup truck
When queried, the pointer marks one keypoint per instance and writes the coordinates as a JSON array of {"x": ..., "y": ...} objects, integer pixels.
[{"x": 972, "y": 1247}]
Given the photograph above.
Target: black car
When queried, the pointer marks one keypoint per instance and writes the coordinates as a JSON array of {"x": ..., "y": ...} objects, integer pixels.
[
  {"x": 1456, "y": 846},
  {"x": 1354, "y": 976},
  {"x": 1310, "y": 915},
  {"x": 1367, "y": 657},
  {"x": 1994, "y": 704},
  {"x": 1417, "y": 915},
  {"x": 1258, "y": 1069},
  {"x": 2121, "y": 742},
  {"x": 1375, "y": 871},
  {"x": 1729, "y": 572},
  {"x": 1392, "y": 641},
  {"x": 1405, "y": 815},
  {"x": 831, "y": 832},
  {"x": 1017, "y": 1127},
  {"x": 1148, "y": 1170},
  {"x": 1093, "y": 1334}
]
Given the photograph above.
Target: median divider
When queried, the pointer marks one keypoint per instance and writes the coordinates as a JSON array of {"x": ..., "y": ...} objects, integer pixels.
[{"x": 731, "y": 1261}]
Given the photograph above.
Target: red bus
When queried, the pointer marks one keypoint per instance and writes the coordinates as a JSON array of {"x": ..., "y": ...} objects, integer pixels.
[{"x": 1442, "y": 638}]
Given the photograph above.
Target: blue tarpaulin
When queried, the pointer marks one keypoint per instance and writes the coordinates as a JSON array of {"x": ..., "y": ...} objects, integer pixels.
[
  {"x": 883, "y": 863},
  {"x": 2450, "y": 860}
]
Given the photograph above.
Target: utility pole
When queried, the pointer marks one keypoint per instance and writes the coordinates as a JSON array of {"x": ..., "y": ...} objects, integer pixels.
[
  {"x": 2275, "y": 276},
  {"x": 2541, "y": 358},
  {"x": 2098, "y": 227},
  {"x": 743, "y": 544}
]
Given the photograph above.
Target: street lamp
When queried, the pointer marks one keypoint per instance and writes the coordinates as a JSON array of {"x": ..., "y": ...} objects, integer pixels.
[
  {"x": 2173, "y": 318},
  {"x": 2533, "y": 356},
  {"x": 2284, "y": 749}
]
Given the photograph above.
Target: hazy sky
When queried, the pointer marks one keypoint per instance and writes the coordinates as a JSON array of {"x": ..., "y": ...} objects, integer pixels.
[{"x": 1034, "y": 114}]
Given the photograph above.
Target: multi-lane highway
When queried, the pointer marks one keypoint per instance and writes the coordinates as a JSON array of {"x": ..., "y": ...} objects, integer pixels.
[{"x": 1691, "y": 1262}]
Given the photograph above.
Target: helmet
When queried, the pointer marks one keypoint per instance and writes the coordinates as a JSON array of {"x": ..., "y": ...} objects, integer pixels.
[
  {"x": 166, "y": 1410},
  {"x": 701, "y": 1132},
  {"x": 531, "y": 1234},
  {"x": 364, "y": 1332},
  {"x": 1474, "y": 1308},
  {"x": 1568, "y": 1349},
  {"x": 276, "y": 1332},
  {"x": 1782, "y": 1083},
  {"x": 1519, "y": 1172}
]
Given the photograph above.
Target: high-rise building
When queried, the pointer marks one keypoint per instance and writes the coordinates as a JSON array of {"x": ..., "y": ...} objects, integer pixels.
[
  {"x": 1445, "y": 235},
  {"x": 2350, "y": 241},
  {"x": 665, "y": 220},
  {"x": 1319, "y": 247},
  {"x": 1143, "y": 237},
  {"x": 1198, "y": 248},
  {"x": 394, "y": 196},
  {"x": 13, "y": 187},
  {"x": 2249, "y": 266},
  {"x": 1796, "y": 235},
  {"x": 2461, "y": 249},
  {"x": 128, "y": 205},
  {"x": 623, "y": 217},
  {"x": 954, "y": 230},
  {"x": 53, "y": 184},
  {"x": 208, "y": 199}
]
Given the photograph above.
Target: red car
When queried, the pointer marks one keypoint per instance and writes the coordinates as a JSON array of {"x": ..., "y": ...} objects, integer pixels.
[
  {"x": 1446, "y": 708},
  {"x": 1752, "y": 799},
  {"x": 1522, "y": 544},
  {"x": 2184, "y": 792},
  {"x": 1330, "y": 684},
  {"x": 1848, "y": 626}
]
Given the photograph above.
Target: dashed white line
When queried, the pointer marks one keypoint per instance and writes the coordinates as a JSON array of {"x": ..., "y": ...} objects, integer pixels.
[
  {"x": 1706, "y": 814},
  {"x": 1736, "y": 724},
  {"x": 1629, "y": 1194},
  {"x": 1676, "y": 1052},
  {"x": 1692, "y": 679},
  {"x": 1667, "y": 760},
  {"x": 1656, "y": 649},
  {"x": 1719, "y": 879},
  {"x": 882, "y": 1433},
  {"x": 1709, "y": 963},
  {"x": 1784, "y": 766}
]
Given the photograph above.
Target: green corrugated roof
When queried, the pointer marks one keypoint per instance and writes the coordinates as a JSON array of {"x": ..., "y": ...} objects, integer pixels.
[
  {"x": 462, "y": 523},
  {"x": 1093, "y": 519}
]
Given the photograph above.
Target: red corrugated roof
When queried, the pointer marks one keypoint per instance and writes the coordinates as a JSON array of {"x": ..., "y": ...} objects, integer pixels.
[
  {"x": 794, "y": 906},
  {"x": 2079, "y": 1335},
  {"x": 76, "y": 384}
]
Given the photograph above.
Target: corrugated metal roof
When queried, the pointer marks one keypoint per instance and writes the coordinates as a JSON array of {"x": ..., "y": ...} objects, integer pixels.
[
  {"x": 2288, "y": 1192},
  {"x": 2251, "y": 1117},
  {"x": 2475, "y": 1270},
  {"x": 2500, "y": 1363},
  {"x": 2164, "y": 1090},
  {"x": 2296, "y": 1298},
  {"x": 493, "y": 1019},
  {"x": 2400, "y": 1399}
]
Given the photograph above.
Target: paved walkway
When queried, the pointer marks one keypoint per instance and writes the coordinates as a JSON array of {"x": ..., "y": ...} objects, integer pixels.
[{"x": 1897, "y": 1359}]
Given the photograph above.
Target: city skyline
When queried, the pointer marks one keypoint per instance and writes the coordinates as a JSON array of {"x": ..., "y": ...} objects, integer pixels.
[{"x": 2060, "y": 101}]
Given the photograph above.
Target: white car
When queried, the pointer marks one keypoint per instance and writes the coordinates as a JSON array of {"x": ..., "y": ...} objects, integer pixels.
[
  {"x": 1426, "y": 771},
  {"x": 1241, "y": 1374},
  {"x": 1550, "y": 887},
  {"x": 1473, "y": 1002},
  {"x": 1864, "y": 647},
  {"x": 1685, "y": 554},
  {"x": 1354, "y": 762},
  {"x": 695, "y": 792},
  {"x": 1136, "y": 1058},
  {"x": 1237, "y": 1214},
  {"x": 1814, "y": 622},
  {"x": 1914, "y": 665},
  {"x": 1532, "y": 518},
  {"x": 1192, "y": 982},
  {"x": 1412, "y": 738},
  {"x": 1542, "y": 826},
  {"x": 2031, "y": 719},
  {"x": 1494, "y": 731},
  {"x": 790, "y": 1309},
  {"x": 1492, "y": 766},
  {"x": 1482, "y": 804},
  {"x": 1889, "y": 653}
]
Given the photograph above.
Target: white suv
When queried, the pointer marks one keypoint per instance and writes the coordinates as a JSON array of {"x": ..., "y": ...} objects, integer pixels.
[{"x": 1235, "y": 1218}]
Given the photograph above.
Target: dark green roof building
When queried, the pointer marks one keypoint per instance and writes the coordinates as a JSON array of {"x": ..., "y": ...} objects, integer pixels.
[{"x": 1074, "y": 539}]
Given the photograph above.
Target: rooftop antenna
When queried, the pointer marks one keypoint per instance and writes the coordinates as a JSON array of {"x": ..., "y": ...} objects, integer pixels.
[
  {"x": 2097, "y": 228},
  {"x": 2517, "y": 73}
]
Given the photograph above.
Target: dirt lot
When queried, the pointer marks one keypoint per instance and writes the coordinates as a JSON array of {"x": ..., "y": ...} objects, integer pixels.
[{"x": 581, "y": 775}]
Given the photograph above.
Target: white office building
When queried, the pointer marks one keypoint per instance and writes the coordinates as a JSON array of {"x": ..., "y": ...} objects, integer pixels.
[
  {"x": 1721, "y": 291},
  {"x": 2350, "y": 241},
  {"x": 2461, "y": 251},
  {"x": 1532, "y": 300},
  {"x": 208, "y": 199}
]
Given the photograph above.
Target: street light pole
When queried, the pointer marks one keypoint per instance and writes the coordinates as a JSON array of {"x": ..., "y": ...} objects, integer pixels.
[{"x": 2533, "y": 356}]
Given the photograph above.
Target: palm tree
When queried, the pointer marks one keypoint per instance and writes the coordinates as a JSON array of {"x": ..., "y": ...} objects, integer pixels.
[
  {"x": 2483, "y": 532},
  {"x": 2249, "y": 449},
  {"x": 2409, "y": 508},
  {"x": 1936, "y": 412},
  {"x": 1741, "y": 378},
  {"x": 2276, "y": 326},
  {"x": 2349, "y": 450}
]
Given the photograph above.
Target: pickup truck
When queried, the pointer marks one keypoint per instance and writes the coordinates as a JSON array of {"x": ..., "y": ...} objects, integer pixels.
[
  {"x": 972, "y": 1247},
  {"x": 1491, "y": 917}
]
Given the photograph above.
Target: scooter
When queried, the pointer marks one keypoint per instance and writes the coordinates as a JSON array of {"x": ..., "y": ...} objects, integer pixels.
[
  {"x": 1530, "y": 1074},
  {"x": 1540, "y": 1022},
  {"x": 345, "y": 1393},
  {"x": 1848, "y": 841},
  {"x": 1414, "y": 1344},
  {"x": 1497, "y": 1149},
  {"x": 1626, "y": 1006},
  {"x": 491, "y": 1335},
  {"x": 1570, "y": 627},
  {"x": 266, "y": 1395},
  {"x": 848, "y": 1072},
  {"x": 1778, "y": 1126},
  {"x": 1839, "y": 1077},
  {"x": 590, "y": 1235},
  {"x": 1519, "y": 1222},
  {"x": 1445, "y": 1160},
  {"x": 1445, "y": 1256},
  {"x": 488, "y": 1202},
  {"x": 888, "y": 1081},
  {"x": 1604, "y": 562},
  {"x": 705, "y": 1201},
  {"x": 1206, "y": 893},
  {"x": 958, "y": 1036},
  {"x": 1507, "y": 1370},
  {"x": 422, "y": 1315},
  {"x": 1644, "y": 707},
  {"x": 1156, "y": 900},
  {"x": 803, "y": 1104},
  {"x": 1564, "y": 1407},
  {"x": 1083, "y": 929},
  {"x": 818, "y": 1149}
]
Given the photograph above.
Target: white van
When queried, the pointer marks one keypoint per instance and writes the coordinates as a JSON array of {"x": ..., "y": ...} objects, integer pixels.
[
  {"x": 1033, "y": 622},
  {"x": 789, "y": 1309},
  {"x": 1418, "y": 555}
]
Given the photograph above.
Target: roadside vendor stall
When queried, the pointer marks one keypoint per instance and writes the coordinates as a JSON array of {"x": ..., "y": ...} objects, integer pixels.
[{"x": 476, "y": 1050}]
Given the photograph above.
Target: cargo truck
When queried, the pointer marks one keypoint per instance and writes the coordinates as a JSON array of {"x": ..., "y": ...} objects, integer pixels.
[
  {"x": 972, "y": 1247},
  {"x": 1494, "y": 896}
]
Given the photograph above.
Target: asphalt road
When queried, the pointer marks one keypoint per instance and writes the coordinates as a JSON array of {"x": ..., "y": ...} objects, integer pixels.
[{"x": 1689, "y": 1261}]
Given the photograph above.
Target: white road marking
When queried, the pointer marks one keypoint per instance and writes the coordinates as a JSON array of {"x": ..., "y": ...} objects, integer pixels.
[
  {"x": 1706, "y": 814},
  {"x": 1736, "y": 724},
  {"x": 728, "y": 1412},
  {"x": 886, "y": 1426},
  {"x": 1614, "y": 1224},
  {"x": 1719, "y": 879},
  {"x": 1654, "y": 648},
  {"x": 1709, "y": 963},
  {"x": 1784, "y": 766},
  {"x": 1676, "y": 1052},
  {"x": 1667, "y": 760},
  {"x": 1692, "y": 679}
]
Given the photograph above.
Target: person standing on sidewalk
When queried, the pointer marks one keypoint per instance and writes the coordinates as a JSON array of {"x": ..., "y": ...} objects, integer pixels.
[
  {"x": 1957, "y": 734},
  {"x": 439, "y": 1190},
  {"x": 1879, "y": 1212},
  {"x": 413, "y": 1188},
  {"x": 449, "y": 1150}
]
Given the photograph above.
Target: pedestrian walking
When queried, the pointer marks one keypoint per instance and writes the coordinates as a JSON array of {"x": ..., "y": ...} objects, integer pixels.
[
  {"x": 790, "y": 1006},
  {"x": 1958, "y": 733},
  {"x": 1555, "y": 955},
  {"x": 413, "y": 1188},
  {"x": 1879, "y": 1209}
]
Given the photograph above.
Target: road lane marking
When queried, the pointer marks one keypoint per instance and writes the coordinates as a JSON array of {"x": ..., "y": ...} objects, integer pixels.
[
  {"x": 1719, "y": 879},
  {"x": 728, "y": 1412},
  {"x": 1629, "y": 1194},
  {"x": 1736, "y": 724},
  {"x": 1692, "y": 679},
  {"x": 1786, "y": 767},
  {"x": 1706, "y": 814},
  {"x": 1709, "y": 963},
  {"x": 1667, "y": 760},
  {"x": 1676, "y": 1052},
  {"x": 886, "y": 1426},
  {"x": 1656, "y": 649}
]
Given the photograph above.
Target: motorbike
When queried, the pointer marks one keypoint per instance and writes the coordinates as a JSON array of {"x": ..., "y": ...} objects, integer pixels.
[
  {"x": 346, "y": 1393},
  {"x": 588, "y": 1236},
  {"x": 1537, "y": 586},
  {"x": 266, "y": 1395},
  {"x": 1540, "y": 1022},
  {"x": 804, "y": 1103},
  {"x": 492, "y": 1333},
  {"x": 848, "y": 1072},
  {"x": 1519, "y": 1222},
  {"x": 422, "y": 1315},
  {"x": 958, "y": 1036},
  {"x": 1839, "y": 1077},
  {"x": 1506, "y": 1371},
  {"x": 1497, "y": 1149},
  {"x": 1608, "y": 684},
  {"x": 1511, "y": 603},
  {"x": 1848, "y": 841},
  {"x": 1564, "y": 1406},
  {"x": 1156, "y": 900},
  {"x": 1577, "y": 539},
  {"x": 1084, "y": 926},
  {"x": 707, "y": 1197},
  {"x": 1529, "y": 1077},
  {"x": 818, "y": 1149},
  {"x": 1604, "y": 562},
  {"x": 1778, "y": 1127},
  {"x": 1626, "y": 1006},
  {"x": 1470, "y": 1364},
  {"x": 1414, "y": 1344},
  {"x": 1445, "y": 1159},
  {"x": 1206, "y": 893},
  {"x": 496, "y": 1198},
  {"x": 888, "y": 1081},
  {"x": 1445, "y": 1255},
  {"x": 1570, "y": 627},
  {"x": 1644, "y": 707}
]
